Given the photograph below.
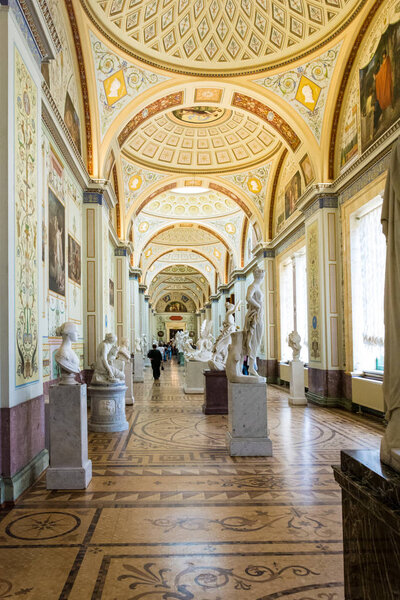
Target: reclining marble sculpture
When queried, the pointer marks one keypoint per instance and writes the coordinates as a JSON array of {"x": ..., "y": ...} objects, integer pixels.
[
  {"x": 65, "y": 357},
  {"x": 205, "y": 343},
  {"x": 247, "y": 342},
  {"x": 220, "y": 348},
  {"x": 104, "y": 372}
]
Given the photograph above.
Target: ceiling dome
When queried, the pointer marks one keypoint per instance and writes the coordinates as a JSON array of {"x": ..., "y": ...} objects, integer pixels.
[{"x": 225, "y": 37}]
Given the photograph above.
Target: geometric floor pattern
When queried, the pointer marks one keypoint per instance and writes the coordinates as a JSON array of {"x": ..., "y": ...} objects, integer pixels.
[{"x": 169, "y": 515}]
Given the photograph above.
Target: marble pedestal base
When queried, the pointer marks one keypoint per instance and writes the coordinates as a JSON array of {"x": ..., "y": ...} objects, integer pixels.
[
  {"x": 146, "y": 362},
  {"x": 129, "y": 399},
  {"x": 70, "y": 468},
  {"x": 247, "y": 424},
  {"x": 371, "y": 526},
  {"x": 181, "y": 359},
  {"x": 216, "y": 393},
  {"x": 297, "y": 397},
  {"x": 138, "y": 368},
  {"x": 107, "y": 408},
  {"x": 194, "y": 378}
]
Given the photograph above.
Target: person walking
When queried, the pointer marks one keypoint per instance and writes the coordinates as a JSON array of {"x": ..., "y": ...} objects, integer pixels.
[{"x": 155, "y": 357}]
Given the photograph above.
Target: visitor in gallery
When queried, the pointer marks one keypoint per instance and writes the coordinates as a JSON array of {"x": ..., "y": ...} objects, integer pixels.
[{"x": 155, "y": 357}]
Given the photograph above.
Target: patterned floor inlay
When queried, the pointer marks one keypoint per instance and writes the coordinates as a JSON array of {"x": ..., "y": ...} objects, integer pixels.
[{"x": 170, "y": 515}]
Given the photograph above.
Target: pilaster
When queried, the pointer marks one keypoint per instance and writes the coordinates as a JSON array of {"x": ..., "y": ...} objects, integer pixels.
[
  {"x": 270, "y": 316},
  {"x": 122, "y": 292}
]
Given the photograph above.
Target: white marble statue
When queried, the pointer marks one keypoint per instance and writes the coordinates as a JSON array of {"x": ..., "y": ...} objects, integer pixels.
[
  {"x": 138, "y": 345},
  {"x": 104, "y": 372},
  {"x": 253, "y": 323},
  {"x": 144, "y": 343},
  {"x": 187, "y": 345},
  {"x": 220, "y": 348},
  {"x": 65, "y": 357},
  {"x": 390, "y": 445},
  {"x": 123, "y": 351},
  {"x": 204, "y": 343},
  {"x": 294, "y": 344}
]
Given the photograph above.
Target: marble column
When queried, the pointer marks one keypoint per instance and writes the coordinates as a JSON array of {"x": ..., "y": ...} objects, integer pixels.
[
  {"x": 136, "y": 332},
  {"x": 215, "y": 314},
  {"x": 240, "y": 288},
  {"x": 122, "y": 295},
  {"x": 271, "y": 371},
  {"x": 325, "y": 365}
]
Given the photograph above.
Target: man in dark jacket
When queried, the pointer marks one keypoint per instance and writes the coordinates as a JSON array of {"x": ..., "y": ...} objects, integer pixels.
[{"x": 155, "y": 356}]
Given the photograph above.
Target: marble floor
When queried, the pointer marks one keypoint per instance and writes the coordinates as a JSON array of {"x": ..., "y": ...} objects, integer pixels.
[{"x": 169, "y": 515}]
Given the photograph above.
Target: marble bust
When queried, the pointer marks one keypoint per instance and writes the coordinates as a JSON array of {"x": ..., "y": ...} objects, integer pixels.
[
  {"x": 65, "y": 357},
  {"x": 138, "y": 344},
  {"x": 123, "y": 351},
  {"x": 104, "y": 372},
  {"x": 295, "y": 345}
]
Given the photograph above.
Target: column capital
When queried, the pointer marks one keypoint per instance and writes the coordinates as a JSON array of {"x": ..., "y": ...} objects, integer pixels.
[
  {"x": 100, "y": 192},
  {"x": 142, "y": 288},
  {"x": 122, "y": 250},
  {"x": 135, "y": 273}
]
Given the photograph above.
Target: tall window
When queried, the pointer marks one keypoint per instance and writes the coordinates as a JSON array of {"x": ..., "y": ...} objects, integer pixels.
[
  {"x": 368, "y": 259},
  {"x": 293, "y": 289}
]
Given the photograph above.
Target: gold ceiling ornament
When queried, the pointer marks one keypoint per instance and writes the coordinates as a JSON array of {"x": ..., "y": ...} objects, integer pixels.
[{"x": 224, "y": 37}]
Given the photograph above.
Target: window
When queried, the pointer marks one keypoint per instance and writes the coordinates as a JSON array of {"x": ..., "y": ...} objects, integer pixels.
[
  {"x": 368, "y": 258},
  {"x": 294, "y": 269}
]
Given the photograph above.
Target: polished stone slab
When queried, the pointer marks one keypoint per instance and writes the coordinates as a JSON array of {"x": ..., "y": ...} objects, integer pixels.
[
  {"x": 371, "y": 526},
  {"x": 216, "y": 393},
  {"x": 194, "y": 378},
  {"x": 247, "y": 424},
  {"x": 70, "y": 467}
]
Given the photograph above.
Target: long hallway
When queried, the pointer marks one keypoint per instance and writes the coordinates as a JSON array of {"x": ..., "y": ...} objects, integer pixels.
[{"x": 170, "y": 515}]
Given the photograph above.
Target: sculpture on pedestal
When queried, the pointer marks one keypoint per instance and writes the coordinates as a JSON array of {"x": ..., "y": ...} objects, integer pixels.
[
  {"x": 204, "y": 343},
  {"x": 390, "y": 446},
  {"x": 65, "y": 357},
  {"x": 144, "y": 343},
  {"x": 138, "y": 345},
  {"x": 104, "y": 372},
  {"x": 294, "y": 344},
  {"x": 123, "y": 351},
  {"x": 220, "y": 348},
  {"x": 186, "y": 343},
  {"x": 247, "y": 342}
]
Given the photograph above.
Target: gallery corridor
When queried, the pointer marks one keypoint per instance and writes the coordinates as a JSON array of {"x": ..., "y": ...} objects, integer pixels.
[{"x": 170, "y": 515}]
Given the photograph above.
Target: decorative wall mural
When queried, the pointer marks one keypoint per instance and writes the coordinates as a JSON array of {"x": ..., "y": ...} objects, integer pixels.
[
  {"x": 71, "y": 120},
  {"x": 136, "y": 180},
  {"x": 175, "y": 307},
  {"x": 313, "y": 285},
  {"x": 380, "y": 87},
  {"x": 74, "y": 260},
  {"x": 26, "y": 224},
  {"x": 254, "y": 183},
  {"x": 199, "y": 115},
  {"x": 292, "y": 194},
  {"x": 307, "y": 169},
  {"x": 118, "y": 82},
  {"x": 56, "y": 245},
  {"x": 306, "y": 87}
]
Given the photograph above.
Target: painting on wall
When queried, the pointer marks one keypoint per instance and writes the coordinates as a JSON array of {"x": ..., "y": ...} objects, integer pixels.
[
  {"x": 292, "y": 194},
  {"x": 199, "y": 114},
  {"x": 380, "y": 87},
  {"x": 71, "y": 120},
  {"x": 111, "y": 292},
  {"x": 175, "y": 307},
  {"x": 307, "y": 170},
  {"x": 74, "y": 260},
  {"x": 349, "y": 146},
  {"x": 56, "y": 245}
]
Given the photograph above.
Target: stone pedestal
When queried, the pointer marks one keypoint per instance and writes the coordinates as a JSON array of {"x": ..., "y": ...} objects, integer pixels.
[
  {"x": 129, "y": 399},
  {"x": 107, "y": 408},
  {"x": 247, "y": 425},
  {"x": 297, "y": 397},
  {"x": 194, "y": 378},
  {"x": 371, "y": 526},
  {"x": 216, "y": 393},
  {"x": 70, "y": 468},
  {"x": 181, "y": 359},
  {"x": 146, "y": 362},
  {"x": 138, "y": 369}
]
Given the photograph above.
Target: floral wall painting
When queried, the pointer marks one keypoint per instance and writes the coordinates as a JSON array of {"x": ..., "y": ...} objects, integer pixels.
[
  {"x": 292, "y": 194},
  {"x": 380, "y": 87},
  {"x": 307, "y": 170},
  {"x": 56, "y": 245},
  {"x": 71, "y": 120},
  {"x": 27, "y": 224},
  {"x": 74, "y": 260},
  {"x": 111, "y": 292}
]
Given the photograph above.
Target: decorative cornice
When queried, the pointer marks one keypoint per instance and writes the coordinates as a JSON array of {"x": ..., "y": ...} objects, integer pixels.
[
  {"x": 291, "y": 239},
  {"x": 50, "y": 24},
  {"x": 84, "y": 84}
]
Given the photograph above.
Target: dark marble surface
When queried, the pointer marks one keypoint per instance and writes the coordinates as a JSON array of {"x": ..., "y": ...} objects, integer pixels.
[
  {"x": 216, "y": 393},
  {"x": 268, "y": 368},
  {"x": 371, "y": 526},
  {"x": 325, "y": 383}
]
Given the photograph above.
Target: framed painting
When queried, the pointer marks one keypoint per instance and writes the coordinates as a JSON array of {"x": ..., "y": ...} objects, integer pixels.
[
  {"x": 307, "y": 170},
  {"x": 292, "y": 194},
  {"x": 72, "y": 122},
  {"x": 56, "y": 239},
  {"x": 74, "y": 260},
  {"x": 111, "y": 292}
]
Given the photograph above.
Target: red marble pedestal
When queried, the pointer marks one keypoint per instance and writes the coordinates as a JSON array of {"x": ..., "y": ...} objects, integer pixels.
[{"x": 216, "y": 393}]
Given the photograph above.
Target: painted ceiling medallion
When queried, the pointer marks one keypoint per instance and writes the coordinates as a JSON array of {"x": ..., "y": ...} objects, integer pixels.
[
  {"x": 199, "y": 115},
  {"x": 227, "y": 37}
]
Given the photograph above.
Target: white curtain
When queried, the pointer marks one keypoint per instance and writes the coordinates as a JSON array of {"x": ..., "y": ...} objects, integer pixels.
[
  {"x": 368, "y": 255},
  {"x": 286, "y": 305}
]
